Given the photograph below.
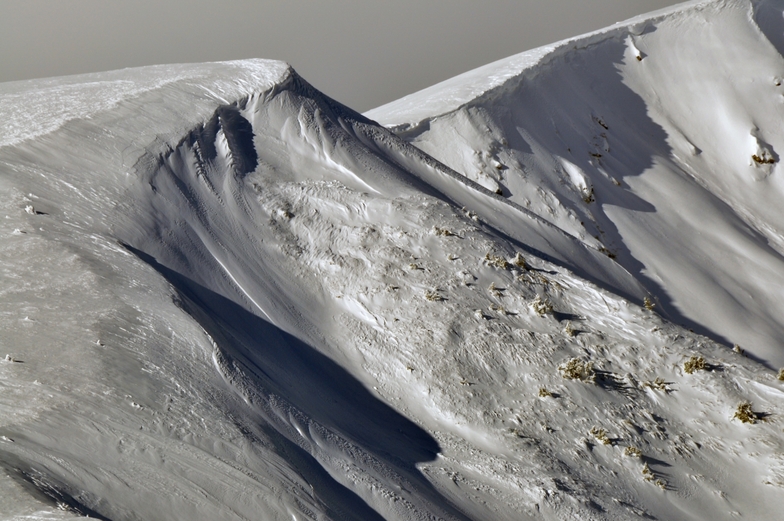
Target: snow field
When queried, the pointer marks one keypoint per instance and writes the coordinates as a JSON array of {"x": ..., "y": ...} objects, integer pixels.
[
  {"x": 233, "y": 298},
  {"x": 648, "y": 160}
]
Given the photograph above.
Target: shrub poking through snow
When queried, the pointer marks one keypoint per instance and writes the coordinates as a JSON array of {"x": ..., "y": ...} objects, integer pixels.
[
  {"x": 601, "y": 435},
  {"x": 499, "y": 309},
  {"x": 695, "y": 363},
  {"x": 519, "y": 261},
  {"x": 433, "y": 296},
  {"x": 470, "y": 214},
  {"x": 763, "y": 158},
  {"x": 745, "y": 414},
  {"x": 658, "y": 385},
  {"x": 541, "y": 306},
  {"x": 284, "y": 213},
  {"x": 442, "y": 232},
  {"x": 587, "y": 193},
  {"x": 494, "y": 290},
  {"x": 607, "y": 252},
  {"x": 544, "y": 393},
  {"x": 632, "y": 452},
  {"x": 648, "y": 475},
  {"x": 648, "y": 303},
  {"x": 576, "y": 369},
  {"x": 569, "y": 330},
  {"x": 781, "y": 374},
  {"x": 496, "y": 261}
]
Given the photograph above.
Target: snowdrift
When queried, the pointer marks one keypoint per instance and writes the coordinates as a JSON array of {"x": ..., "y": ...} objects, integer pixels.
[{"x": 230, "y": 297}]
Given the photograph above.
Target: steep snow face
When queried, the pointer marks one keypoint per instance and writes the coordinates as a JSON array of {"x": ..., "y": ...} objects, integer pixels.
[
  {"x": 230, "y": 297},
  {"x": 656, "y": 141}
]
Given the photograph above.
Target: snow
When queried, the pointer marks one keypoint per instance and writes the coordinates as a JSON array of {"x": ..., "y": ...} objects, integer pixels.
[
  {"x": 36, "y": 107},
  {"x": 666, "y": 143},
  {"x": 235, "y": 298}
]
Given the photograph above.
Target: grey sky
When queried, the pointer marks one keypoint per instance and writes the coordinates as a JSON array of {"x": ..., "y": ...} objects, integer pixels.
[{"x": 362, "y": 52}]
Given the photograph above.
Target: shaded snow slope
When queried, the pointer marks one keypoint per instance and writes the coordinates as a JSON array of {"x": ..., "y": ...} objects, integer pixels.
[
  {"x": 229, "y": 297},
  {"x": 656, "y": 140}
]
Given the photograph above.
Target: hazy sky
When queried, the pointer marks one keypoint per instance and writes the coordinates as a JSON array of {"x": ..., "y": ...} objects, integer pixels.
[{"x": 362, "y": 52}]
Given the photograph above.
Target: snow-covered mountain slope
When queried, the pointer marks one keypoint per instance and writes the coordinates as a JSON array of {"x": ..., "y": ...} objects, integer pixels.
[
  {"x": 657, "y": 140},
  {"x": 227, "y": 296}
]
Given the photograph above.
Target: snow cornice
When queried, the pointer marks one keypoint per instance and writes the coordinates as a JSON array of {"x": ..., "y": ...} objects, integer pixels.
[{"x": 483, "y": 82}]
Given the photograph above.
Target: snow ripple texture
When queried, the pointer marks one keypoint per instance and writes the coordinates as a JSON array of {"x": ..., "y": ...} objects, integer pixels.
[{"x": 228, "y": 296}]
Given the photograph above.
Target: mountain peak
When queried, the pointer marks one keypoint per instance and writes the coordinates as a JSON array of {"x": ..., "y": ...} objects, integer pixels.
[{"x": 549, "y": 290}]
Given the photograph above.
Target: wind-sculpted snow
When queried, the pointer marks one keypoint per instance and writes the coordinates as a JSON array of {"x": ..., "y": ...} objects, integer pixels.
[
  {"x": 230, "y": 297},
  {"x": 654, "y": 141},
  {"x": 30, "y": 109}
]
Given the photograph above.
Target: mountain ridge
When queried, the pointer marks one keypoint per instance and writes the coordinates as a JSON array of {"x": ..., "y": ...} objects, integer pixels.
[
  {"x": 649, "y": 95},
  {"x": 232, "y": 297}
]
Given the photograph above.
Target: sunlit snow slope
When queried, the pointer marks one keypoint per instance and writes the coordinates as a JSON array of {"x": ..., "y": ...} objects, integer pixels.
[
  {"x": 657, "y": 141},
  {"x": 226, "y": 296}
]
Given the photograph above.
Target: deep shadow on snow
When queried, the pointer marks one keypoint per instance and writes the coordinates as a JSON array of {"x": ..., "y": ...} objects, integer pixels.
[
  {"x": 591, "y": 131},
  {"x": 279, "y": 375}
]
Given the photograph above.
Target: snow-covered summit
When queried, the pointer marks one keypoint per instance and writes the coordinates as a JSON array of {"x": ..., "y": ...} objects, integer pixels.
[
  {"x": 453, "y": 93},
  {"x": 669, "y": 124},
  {"x": 228, "y": 296},
  {"x": 32, "y": 108}
]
